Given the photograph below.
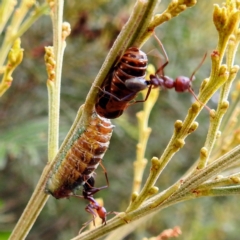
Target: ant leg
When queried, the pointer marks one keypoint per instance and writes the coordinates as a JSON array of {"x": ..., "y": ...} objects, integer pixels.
[
  {"x": 96, "y": 210},
  {"x": 104, "y": 222},
  {"x": 148, "y": 92},
  {"x": 84, "y": 226},
  {"x": 91, "y": 189},
  {"x": 112, "y": 95},
  {"x": 195, "y": 96},
  {"x": 90, "y": 210},
  {"x": 160, "y": 69},
  {"x": 105, "y": 172}
]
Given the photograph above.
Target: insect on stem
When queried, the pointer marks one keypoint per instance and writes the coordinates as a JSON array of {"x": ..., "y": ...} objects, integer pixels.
[
  {"x": 128, "y": 78},
  {"x": 76, "y": 167}
]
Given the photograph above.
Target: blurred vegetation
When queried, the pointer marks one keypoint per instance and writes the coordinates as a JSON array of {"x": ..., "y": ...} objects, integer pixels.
[{"x": 23, "y": 122}]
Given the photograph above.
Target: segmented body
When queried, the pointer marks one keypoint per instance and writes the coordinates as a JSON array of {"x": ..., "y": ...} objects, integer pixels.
[
  {"x": 116, "y": 94},
  {"x": 77, "y": 165}
]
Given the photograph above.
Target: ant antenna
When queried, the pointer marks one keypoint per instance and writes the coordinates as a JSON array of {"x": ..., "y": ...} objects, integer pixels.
[
  {"x": 191, "y": 78},
  {"x": 164, "y": 53},
  {"x": 199, "y": 65}
]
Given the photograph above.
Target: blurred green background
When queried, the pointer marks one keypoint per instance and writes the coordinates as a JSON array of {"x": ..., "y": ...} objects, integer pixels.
[{"x": 24, "y": 110}]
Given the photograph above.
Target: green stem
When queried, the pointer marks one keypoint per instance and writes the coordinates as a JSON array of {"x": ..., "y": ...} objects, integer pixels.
[
  {"x": 221, "y": 191},
  {"x": 144, "y": 133},
  {"x": 55, "y": 87},
  {"x": 200, "y": 176},
  {"x": 159, "y": 201},
  {"x": 6, "y": 10},
  {"x": 15, "y": 57},
  {"x": 222, "y": 104},
  {"x": 143, "y": 27},
  {"x": 7, "y": 43},
  {"x": 32, "y": 210},
  {"x": 19, "y": 15},
  {"x": 39, "y": 198},
  {"x": 156, "y": 164},
  {"x": 229, "y": 113},
  {"x": 222, "y": 181},
  {"x": 210, "y": 192},
  {"x": 173, "y": 10}
]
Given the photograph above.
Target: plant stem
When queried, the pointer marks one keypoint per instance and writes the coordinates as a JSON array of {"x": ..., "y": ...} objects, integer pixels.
[
  {"x": 175, "y": 7},
  {"x": 39, "y": 198},
  {"x": 144, "y": 132},
  {"x": 12, "y": 36},
  {"x": 15, "y": 57},
  {"x": 32, "y": 210},
  {"x": 6, "y": 10},
  {"x": 54, "y": 85},
  {"x": 200, "y": 176}
]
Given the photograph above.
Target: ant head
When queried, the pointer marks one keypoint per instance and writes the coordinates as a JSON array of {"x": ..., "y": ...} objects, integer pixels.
[{"x": 183, "y": 84}]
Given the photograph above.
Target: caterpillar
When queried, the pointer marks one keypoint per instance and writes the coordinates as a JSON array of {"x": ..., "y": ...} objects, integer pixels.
[{"x": 75, "y": 165}]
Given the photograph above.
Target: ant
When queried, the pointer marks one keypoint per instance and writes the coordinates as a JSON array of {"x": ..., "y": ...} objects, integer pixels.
[
  {"x": 159, "y": 79},
  {"x": 88, "y": 191},
  {"x": 180, "y": 84},
  {"x": 128, "y": 78}
]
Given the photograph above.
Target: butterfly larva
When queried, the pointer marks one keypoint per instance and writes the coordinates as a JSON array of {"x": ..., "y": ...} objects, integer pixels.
[{"x": 76, "y": 165}]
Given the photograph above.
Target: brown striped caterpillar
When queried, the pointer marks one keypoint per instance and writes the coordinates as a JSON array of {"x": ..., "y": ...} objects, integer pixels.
[{"x": 76, "y": 163}]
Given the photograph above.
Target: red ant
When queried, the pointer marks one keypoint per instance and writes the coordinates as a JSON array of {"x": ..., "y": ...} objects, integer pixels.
[
  {"x": 120, "y": 88},
  {"x": 181, "y": 83},
  {"x": 88, "y": 191}
]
